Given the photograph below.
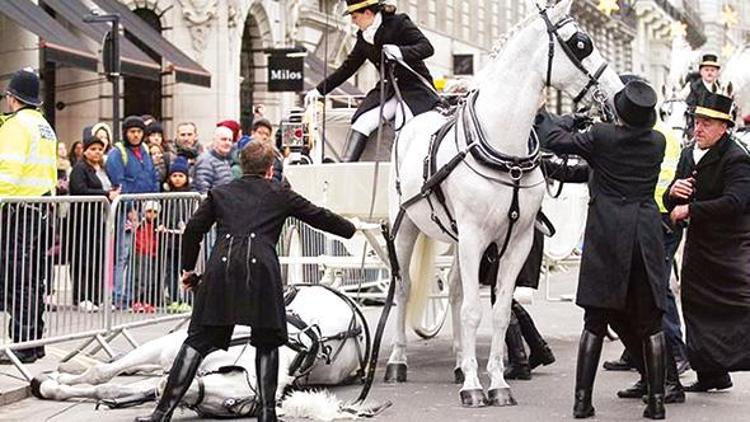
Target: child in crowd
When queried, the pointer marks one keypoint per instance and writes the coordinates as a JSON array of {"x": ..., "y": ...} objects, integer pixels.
[
  {"x": 177, "y": 212},
  {"x": 146, "y": 274}
]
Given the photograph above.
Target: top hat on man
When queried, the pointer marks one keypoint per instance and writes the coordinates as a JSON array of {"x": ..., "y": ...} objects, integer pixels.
[
  {"x": 715, "y": 106},
  {"x": 635, "y": 104},
  {"x": 709, "y": 60},
  {"x": 24, "y": 86},
  {"x": 357, "y": 5}
]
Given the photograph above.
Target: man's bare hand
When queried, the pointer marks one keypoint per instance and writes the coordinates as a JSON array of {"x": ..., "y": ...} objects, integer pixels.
[
  {"x": 682, "y": 188},
  {"x": 679, "y": 213}
]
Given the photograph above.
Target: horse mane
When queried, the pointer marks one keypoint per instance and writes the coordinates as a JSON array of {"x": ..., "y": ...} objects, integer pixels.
[{"x": 502, "y": 41}]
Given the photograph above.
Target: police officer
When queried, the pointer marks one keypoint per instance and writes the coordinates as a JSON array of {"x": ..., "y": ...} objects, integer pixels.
[
  {"x": 620, "y": 282},
  {"x": 382, "y": 30},
  {"x": 28, "y": 155}
]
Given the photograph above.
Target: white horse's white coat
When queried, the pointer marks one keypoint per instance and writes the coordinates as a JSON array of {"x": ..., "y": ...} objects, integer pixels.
[
  {"x": 510, "y": 92},
  {"x": 315, "y": 305}
]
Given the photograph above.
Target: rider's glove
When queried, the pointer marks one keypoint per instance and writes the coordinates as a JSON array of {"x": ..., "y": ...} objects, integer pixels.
[
  {"x": 312, "y": 96},
  {"x": 393, "y": 52}
]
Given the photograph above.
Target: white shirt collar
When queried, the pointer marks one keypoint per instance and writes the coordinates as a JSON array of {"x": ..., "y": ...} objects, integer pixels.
[
  {"x": 369, "y": 33},
  {"x": 699, "y": 153}
]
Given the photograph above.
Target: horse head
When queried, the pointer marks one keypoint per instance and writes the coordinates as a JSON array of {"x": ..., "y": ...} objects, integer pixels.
[{"x": 572, "y": 62}]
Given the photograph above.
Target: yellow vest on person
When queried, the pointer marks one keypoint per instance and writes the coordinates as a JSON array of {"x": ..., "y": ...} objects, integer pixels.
[
  {"x": 669, "y": 165},
  {"x": 28, "y": 155}
]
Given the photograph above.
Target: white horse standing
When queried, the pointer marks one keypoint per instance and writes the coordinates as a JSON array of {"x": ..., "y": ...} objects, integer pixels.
[
  {"x": 218, "y": 392},
  {"x": 479, "y": 197}
]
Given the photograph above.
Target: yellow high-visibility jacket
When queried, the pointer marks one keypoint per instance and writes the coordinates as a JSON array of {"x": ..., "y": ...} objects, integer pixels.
[
  {"x": 669, "y": 165},
  {"x": 28, "y": 155}
]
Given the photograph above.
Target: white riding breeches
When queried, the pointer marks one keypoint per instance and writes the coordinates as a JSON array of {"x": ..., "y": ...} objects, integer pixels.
[{"x": 368, "y": 121}]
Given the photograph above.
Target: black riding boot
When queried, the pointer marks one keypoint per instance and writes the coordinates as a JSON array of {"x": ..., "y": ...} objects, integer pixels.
[
  {"x": 539, "y": 351},
  {"x": 355, "y": 146},
  {"x": 180, "y": 377},
  {"x": 654, "y": 349},
  {"x": 589, "y": 351},
  {"x": 267, "y": 372},
  {"x": 518, "y": 363},
  {"x": 674, "y": 392}
]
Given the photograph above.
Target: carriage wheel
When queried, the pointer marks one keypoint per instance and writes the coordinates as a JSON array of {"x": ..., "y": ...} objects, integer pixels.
[{"x": 436, "y": 310}]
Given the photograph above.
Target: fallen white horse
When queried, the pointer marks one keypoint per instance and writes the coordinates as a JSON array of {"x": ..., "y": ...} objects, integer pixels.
[{"x": 328, "y": 345}]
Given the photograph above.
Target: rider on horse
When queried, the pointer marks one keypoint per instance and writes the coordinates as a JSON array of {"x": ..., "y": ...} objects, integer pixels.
[{"x": 382, "y": 30}]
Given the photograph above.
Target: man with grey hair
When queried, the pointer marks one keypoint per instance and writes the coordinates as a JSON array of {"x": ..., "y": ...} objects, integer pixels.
[{"x": 214, "y": 167}]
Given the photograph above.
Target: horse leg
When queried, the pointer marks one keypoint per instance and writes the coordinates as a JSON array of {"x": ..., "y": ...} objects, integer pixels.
[
  {"x": 455, "y": 298},
  {"x": 470, "y": 253},
  {"x": 395, "y": 370},
  {"x": 510, "y": 265},
  {"x": 48, "y": 388},
  {"x": 159, "y": 352}
]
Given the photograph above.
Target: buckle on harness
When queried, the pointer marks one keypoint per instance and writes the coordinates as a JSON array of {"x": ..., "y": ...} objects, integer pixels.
[{"x": 515, "y": 173}]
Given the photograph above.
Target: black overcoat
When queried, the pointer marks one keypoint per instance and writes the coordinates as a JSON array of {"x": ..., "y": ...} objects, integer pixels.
[
  {"x": 242, "y": 279},
  {"x": 715, "y": 279},
  {"x": 697, "y": 90},
  {"x": 399, "y": 30},
  {"x": 622, "y": 215}
]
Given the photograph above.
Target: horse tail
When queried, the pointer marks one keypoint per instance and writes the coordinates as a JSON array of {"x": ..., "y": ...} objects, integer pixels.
[{"x": 422, "y": 270}]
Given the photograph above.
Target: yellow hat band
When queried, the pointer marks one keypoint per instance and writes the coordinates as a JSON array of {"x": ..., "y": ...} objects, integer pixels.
[
  {"x": 714, "y": 64},
  {"x": 707, "y": 112},
  {"x": 353, "y": 8}
]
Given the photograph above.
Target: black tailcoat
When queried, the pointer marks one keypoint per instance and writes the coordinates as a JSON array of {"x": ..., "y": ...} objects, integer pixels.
[
  {"x": 697, "y": 90},
  {"x": 715, "y": 279},
  {"x": 622, "y": 215},
  {"x": 399, "y": 30},
  {"x": 242, "y": 279}
]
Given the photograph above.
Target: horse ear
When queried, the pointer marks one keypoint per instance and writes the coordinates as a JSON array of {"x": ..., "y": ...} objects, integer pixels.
[
  {"x": 663, "y": 90},
  {"x": 730, "y": 89},
  {"x": 563, "y": 7}
]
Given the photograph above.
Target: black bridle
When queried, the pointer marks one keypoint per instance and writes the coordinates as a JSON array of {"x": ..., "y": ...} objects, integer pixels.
[{"x": 552, "y": 32}]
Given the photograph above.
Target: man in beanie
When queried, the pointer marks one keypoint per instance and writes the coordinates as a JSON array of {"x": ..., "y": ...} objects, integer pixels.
[
  {"x": 710, "y": 194},
  {"x": 28, "y": 167},
  {"x": 620, "y": 282},
  {"x": 129, "y": 167}
]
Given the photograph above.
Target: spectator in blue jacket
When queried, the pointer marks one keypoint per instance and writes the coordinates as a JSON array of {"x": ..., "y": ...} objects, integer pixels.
[
  {"x": 214, "y": 167},
  {"x": 129, "y": 167}
]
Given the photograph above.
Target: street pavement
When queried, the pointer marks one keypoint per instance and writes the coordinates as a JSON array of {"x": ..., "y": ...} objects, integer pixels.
[{"x": 430, "y": 395}]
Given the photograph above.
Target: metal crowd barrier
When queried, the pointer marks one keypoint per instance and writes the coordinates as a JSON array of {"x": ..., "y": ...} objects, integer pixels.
[{"x": 78, "y": 267}]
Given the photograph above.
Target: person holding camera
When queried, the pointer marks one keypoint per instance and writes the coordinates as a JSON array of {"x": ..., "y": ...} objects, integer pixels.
[{"x": 710, "y": 195}]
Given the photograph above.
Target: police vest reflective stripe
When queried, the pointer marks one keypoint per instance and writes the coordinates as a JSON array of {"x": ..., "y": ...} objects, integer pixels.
[
  {"x": 28, "y": 155},
  {"x": 668, "y": 165}
]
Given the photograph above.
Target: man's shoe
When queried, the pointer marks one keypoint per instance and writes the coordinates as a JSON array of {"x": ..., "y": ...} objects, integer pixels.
[
  {"x": 622, "y": 364},
  {"x": 544, "y": 356},
  {"x": 635, "y": 391},
  {"x": 673, "y": 393},
  {"x": 721, "y": 382}
]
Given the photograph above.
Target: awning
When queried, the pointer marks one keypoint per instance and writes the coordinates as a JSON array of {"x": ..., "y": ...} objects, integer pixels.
[
  {"x": 134, "y": 61},
  {"x": 59, "y": 44},
  {"x": 314, "y": 67},
  {"x": 186, "y": 69}
]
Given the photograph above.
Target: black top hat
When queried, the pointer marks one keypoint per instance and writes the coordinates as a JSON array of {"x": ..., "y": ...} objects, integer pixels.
[
  {"x": 355, "y": 5},
  {"x": 25, "y": 87},
  {"x": 709, "y": 60},
  {"x": 635, "y": 104},
  {"x": 715, "y": 106}
]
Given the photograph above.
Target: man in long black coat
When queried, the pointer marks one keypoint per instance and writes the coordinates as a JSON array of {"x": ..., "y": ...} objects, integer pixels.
[
  {"x": 383, "y": 30},
  {"x": 620, "y": 280},
  {"x": 242, "y": 280},
  {"x": 711, "y": 191}
]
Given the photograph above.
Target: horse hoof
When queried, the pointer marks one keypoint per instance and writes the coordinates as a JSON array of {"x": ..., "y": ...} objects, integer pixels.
[
  {"x": 473, "y": 398},
  {"x": 395, "y": 372},
  {"x": 458, "y": 376},
  {"x": 501, "y": 397},
  {"x": 36, "y": 385}
]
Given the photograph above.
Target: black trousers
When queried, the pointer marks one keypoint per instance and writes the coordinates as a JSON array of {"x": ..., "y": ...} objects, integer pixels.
[
  {"x": 640, "y": 319},
  {"x": 208, "y": 338}
]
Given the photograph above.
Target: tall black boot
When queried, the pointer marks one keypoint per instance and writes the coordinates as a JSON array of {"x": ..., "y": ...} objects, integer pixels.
[
  {"x": 674, "y": 392},
  {"x": 654, "y": 349},
  {"x": 589, "y": 351},
  {"x": 518, "y": 363},
  {"x": 355, "y": 146},
  {"x": 539, "y": 351},
  {"x": 180, "y": 377},
  {"x": 267, "y": 372}
]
